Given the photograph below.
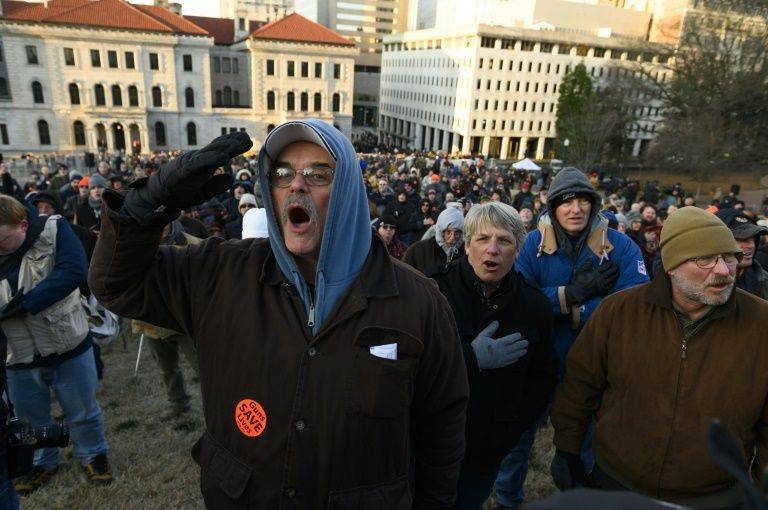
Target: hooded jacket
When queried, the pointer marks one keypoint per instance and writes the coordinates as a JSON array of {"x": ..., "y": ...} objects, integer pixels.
[
  {"x": 546, "y": 262},
  {"x": 346, "y": 235},
  {"x": 300, "y": 416}
]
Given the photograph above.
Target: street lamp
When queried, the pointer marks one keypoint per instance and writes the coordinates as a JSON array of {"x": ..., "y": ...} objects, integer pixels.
[{"x": 566, "y": 143}]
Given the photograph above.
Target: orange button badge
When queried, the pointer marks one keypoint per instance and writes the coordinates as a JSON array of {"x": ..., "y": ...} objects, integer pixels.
[{"x": 250, "y": 417}]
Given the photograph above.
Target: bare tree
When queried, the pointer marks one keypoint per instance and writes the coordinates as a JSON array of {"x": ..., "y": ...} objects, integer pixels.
[{"x": 716, "y": 104}]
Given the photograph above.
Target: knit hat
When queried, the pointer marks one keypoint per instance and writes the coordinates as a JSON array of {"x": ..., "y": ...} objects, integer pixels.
[
  {"x": 255, "y": 224},
  {"x": 742, "y": 226},
  {"x": 83, "y": 182},
  {"x": 47, "y": 197},
  {"x": 692, "y": 232},
  {"x": 633, "y": 216},
  {"x": 74, "y": 174},
  {"x": 243, "y": 172},
  {"x": 247, "y": 198},
  {"x": 97, "y": 181},
  {"x": 568, "y": 183}
]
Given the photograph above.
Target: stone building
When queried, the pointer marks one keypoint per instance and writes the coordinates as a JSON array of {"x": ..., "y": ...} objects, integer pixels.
[{"x": 91, "y": 75}]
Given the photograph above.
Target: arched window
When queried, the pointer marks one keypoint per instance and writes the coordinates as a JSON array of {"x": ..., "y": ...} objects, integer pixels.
[
  {"x": 235, "y": 97},
  {"x": 43, "y": 133},
  {"x": 157, "y": 97},
  {"x": 37, "y": 92},
  {"x": 133, "y": 96},
  {"x": 218, "y": 98},
  {"x": 291, "y": 102},
  {"x": 336, "y": 102},
  {"x": 227, "y": 96},
  {"x": 98, "y": 92},
  {"x": 191, "y": 134},
  {"x": 74, "y": 94},
  {"x": 117, "y": 96},
  {"x": 318, "y": 101},
  {"x": 304, "y": 102},
  {"x": 4, "y": 87},
  {"x": 189, "y": 97},
  {"x": 271, "y": 100},
  {"x": 160, "y": 133},
  {"x": 78, "y": 129}
]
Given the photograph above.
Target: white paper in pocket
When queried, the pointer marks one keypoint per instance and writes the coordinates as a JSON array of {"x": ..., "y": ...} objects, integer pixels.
[{"x": 386, "y": 351}]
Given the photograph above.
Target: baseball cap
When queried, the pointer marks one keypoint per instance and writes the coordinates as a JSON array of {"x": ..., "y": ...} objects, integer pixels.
[{"x": 291, "y": 132}]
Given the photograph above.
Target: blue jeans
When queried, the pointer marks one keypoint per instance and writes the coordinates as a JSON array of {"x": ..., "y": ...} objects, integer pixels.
[
  {"x": 9, "y": 500},
  {"x": 74, "y": 382},
  {"x": 514, "y": 468}
]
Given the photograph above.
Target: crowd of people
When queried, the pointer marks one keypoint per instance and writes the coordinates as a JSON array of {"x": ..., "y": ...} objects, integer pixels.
[{"x": 601, "y": 304}]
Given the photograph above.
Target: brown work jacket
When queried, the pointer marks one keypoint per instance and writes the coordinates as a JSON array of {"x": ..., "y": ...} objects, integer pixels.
[
  {"x": 295, "y": 420},
  {"x": 655, "y": 391}
]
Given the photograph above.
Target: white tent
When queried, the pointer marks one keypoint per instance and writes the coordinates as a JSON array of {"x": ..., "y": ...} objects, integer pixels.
[{"x": 526, "y": 164}]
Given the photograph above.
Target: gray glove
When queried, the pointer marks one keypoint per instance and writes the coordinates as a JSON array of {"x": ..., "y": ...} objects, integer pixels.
[{"x": 496, "y": 353}]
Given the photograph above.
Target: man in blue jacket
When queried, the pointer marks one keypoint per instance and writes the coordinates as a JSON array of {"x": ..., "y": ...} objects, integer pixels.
[
  {"x": 576, "y": 260},
  {"x": 42, "y": 265}
]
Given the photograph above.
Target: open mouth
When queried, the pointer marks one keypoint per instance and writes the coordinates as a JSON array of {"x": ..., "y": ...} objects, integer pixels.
[
  {"x": 298, "y": 218},
  {"x": 490, "y": 265}
]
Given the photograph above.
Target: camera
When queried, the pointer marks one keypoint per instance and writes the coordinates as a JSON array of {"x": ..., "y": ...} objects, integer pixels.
[{"x": 24, "y": 439}]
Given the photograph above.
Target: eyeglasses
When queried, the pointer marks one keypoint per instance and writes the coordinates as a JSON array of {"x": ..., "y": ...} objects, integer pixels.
[
  {"x": 282, "y": 176},
  {"x": 387, "y": 227},
  {"x": 710, "y": 261}
]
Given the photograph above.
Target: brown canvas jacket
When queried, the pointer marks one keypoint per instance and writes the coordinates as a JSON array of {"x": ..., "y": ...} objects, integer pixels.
[
  {"x": 296, "y": 421},
  {"x": 653, "y": 404}
]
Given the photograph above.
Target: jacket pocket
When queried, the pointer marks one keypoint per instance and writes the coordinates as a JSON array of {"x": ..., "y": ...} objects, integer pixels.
[
  {"x": 388, "y": 496},
  {"x": 220, "y": 471},
  {"x": 379, "y": 387}
]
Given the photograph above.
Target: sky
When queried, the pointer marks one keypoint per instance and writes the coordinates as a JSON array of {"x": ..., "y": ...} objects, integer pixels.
[{"x": 208, "y": 8}]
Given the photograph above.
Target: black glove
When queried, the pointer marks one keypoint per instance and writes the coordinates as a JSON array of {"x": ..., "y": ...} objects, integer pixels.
[
  {"x": 568, "y": 471},
  {"x": 13, "y": 308},
  {"x": 589, "y": 283},
  {"x": 186, "y": 181}
]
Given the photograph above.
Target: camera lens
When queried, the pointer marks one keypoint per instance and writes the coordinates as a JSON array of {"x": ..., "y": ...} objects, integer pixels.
[{"x": 55, "y": 435}]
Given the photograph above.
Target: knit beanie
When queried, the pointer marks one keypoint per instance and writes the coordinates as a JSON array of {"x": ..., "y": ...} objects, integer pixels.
[
  {"x": 97, "y": 181},
  {"x": 692, "y": 232},
  {"x": 568, "y": 183}
]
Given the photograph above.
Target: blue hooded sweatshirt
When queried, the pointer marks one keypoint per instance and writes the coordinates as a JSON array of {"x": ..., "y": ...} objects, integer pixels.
[{"x": 346, "y": 235}]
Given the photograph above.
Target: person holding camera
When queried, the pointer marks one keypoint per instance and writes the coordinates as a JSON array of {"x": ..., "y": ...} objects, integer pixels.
[{"x": 42, "y": 264}]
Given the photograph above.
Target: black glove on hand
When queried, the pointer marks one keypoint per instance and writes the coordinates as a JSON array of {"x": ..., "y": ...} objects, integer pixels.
[
  {"x": 186, "y": 181},
  {"x": 568, "y": 471},
  {"x": 589, "y": 283},
  {"x": 13, "y": 308}
]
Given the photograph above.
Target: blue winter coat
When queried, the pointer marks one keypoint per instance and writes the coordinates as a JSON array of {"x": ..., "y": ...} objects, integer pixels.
[{"x": 543, "y": 262}]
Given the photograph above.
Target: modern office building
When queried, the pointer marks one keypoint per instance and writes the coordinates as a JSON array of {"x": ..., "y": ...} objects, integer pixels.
[
  {"x": 365, "y": 22},
  {"x": 85, "y": 75},
  {"x": 494, "y": 90}
]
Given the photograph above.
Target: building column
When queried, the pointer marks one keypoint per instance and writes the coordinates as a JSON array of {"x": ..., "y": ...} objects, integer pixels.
[
  {"x": 523, "y": 146},
  {"x": 540, "y": 148},
  {"x": 504, "y": 148},
  {"x": 636, "y": 147},
  {"x": 485, "y": 146},
  {"x": 465, "y": 144},
  {"x": 447, "y": 135},
  {"x": 417, "y": 141}
]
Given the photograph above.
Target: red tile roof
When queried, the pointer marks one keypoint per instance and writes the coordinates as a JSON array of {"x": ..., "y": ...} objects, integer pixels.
[
  {"x": 100, "y": 13},
  {"x": 295, "y": 27},
  {"x": 222, "y": 29}
]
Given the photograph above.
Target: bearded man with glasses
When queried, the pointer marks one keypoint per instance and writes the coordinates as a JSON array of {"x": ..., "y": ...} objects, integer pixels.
[
  {"x": 332, "y": 376},
  {"x": 656, "y": 363}
]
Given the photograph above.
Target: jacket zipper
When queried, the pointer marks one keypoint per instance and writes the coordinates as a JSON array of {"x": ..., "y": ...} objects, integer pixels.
[{"x": 311, "y": 319}]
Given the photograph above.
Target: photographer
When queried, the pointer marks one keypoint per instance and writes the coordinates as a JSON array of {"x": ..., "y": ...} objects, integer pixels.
[{"x": 49, "y": 345}]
